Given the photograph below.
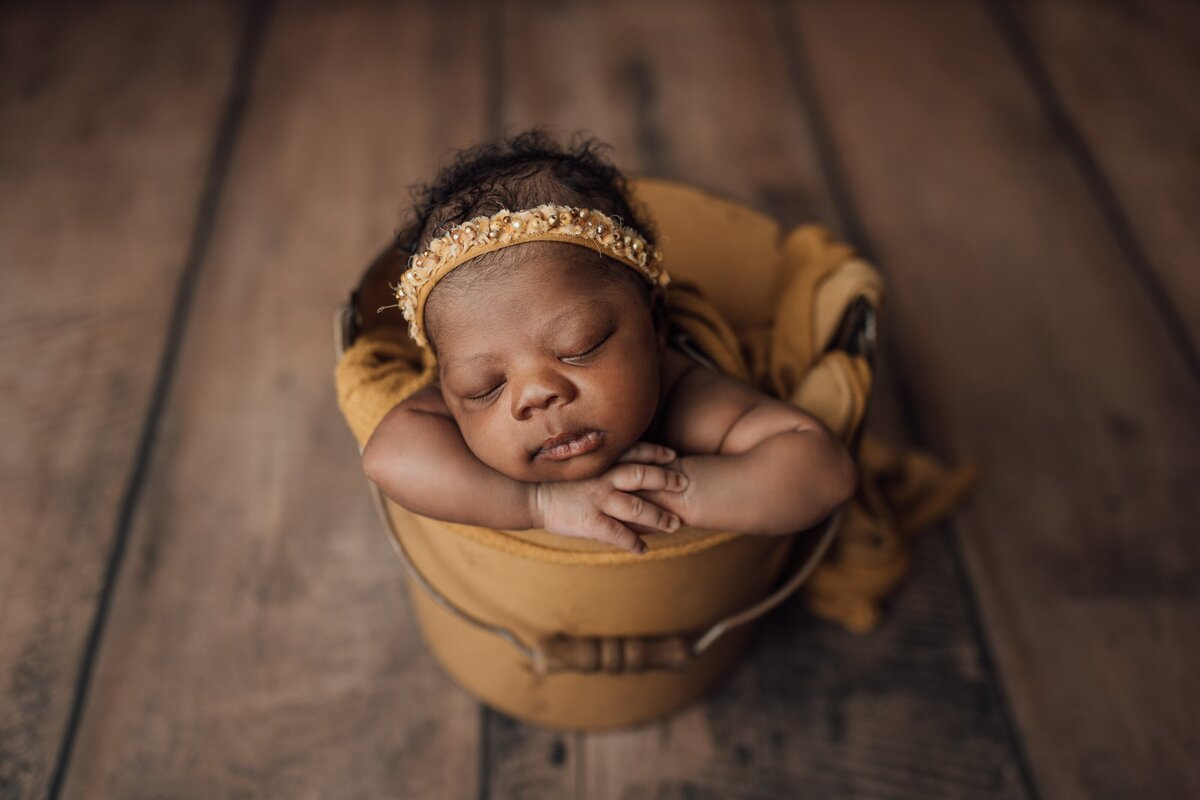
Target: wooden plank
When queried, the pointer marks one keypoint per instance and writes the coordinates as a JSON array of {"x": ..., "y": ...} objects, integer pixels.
[
  {"x": 1035, "y": 351},
  {"x": 105, "y": 151},
  {"x": 1127, "y": 76},
  {"x": 525, "y": 761},
  {"x": 260, "y": 643},
  {"x": 626, "y": 106},
  {"x": 690, "y": 91}
]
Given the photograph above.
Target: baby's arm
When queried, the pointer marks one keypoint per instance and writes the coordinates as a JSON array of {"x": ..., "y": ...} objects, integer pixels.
[
  {"x": 761, "y": 465},
  {"x": 418, "y": 458}
]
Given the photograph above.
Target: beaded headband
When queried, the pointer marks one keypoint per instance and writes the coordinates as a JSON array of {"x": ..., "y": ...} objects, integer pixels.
[{"x": 545, "y": 223}]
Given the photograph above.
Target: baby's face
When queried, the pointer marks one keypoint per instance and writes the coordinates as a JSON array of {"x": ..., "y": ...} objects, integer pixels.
[{"x": 550, "y": 373}]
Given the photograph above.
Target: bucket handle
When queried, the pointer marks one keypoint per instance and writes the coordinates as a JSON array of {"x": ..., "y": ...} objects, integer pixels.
[{"x": 563, "y": 653}]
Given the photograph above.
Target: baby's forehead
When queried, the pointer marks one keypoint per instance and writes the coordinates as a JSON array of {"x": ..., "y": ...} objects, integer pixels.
[
  {"x": 498, "y": 327},
  {"x": 512, "y": 264}
]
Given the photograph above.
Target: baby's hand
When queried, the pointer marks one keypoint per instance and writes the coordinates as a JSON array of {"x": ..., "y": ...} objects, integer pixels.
[{"x": 595, "y": 508}]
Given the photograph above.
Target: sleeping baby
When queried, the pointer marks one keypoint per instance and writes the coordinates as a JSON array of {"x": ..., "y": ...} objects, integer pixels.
[{"x": 564, "y": 398}]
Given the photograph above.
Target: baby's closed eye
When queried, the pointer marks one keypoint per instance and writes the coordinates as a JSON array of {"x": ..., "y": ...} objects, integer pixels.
[
  {"x": 582, "y": 352},
  {"x": 474, "y": 385},
  {"x": 485, "y": 394}
]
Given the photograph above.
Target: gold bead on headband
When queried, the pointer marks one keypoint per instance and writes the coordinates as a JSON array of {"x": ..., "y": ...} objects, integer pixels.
[{"x": 545, "y": 223}]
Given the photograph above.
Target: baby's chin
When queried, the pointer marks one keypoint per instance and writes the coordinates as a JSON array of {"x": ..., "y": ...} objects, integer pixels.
[{"x": 579, "y": 468}]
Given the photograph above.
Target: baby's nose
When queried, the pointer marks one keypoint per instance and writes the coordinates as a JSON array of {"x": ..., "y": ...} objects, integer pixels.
[{"x": 541, "y": 393}]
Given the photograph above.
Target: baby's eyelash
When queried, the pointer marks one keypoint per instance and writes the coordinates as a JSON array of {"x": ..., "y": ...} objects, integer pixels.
[
  {"x": 487, "y": 394},
  {"x": 591, "y": 349}
]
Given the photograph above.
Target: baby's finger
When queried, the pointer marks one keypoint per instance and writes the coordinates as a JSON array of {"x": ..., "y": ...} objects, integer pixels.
[
  {"x": 648, "y": 453},
  {"x": 609, "y": 530},
  {"x": 638, "y": 477},
  {"x": 634, "y": 509}
]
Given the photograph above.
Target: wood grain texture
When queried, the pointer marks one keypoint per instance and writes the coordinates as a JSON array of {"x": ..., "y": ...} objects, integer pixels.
[
  {"x": 1036, "y": 351},
  {"x": 1127, "y": 76},
  {"x": 670, "y": 69},
  {"x": 260, "y": 643},
  {"x": 103, "y": 158},
  {"x": 693, "y": 92}
]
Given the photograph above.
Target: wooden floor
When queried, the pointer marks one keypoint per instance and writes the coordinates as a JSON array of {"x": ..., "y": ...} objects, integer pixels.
[{"x": 195, "y": 598}]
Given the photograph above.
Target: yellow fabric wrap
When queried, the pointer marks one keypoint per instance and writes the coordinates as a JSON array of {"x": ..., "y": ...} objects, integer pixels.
[{"x": 781, "y": 303}]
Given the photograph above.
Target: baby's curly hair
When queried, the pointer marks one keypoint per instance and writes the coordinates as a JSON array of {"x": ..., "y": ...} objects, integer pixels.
[{"x": 518, "y": 172}]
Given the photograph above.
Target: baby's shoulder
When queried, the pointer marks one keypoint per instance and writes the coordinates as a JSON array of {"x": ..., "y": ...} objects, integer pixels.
[{"x": 700, "y": 404}]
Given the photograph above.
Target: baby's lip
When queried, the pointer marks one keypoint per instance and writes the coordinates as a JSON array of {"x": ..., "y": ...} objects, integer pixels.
[{"x": 569, "y": 445}]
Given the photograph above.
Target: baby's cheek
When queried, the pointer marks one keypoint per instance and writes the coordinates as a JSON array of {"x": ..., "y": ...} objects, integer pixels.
[
  {"x": 497, "y": 451},
  {"x": 636, "y": 400}
]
